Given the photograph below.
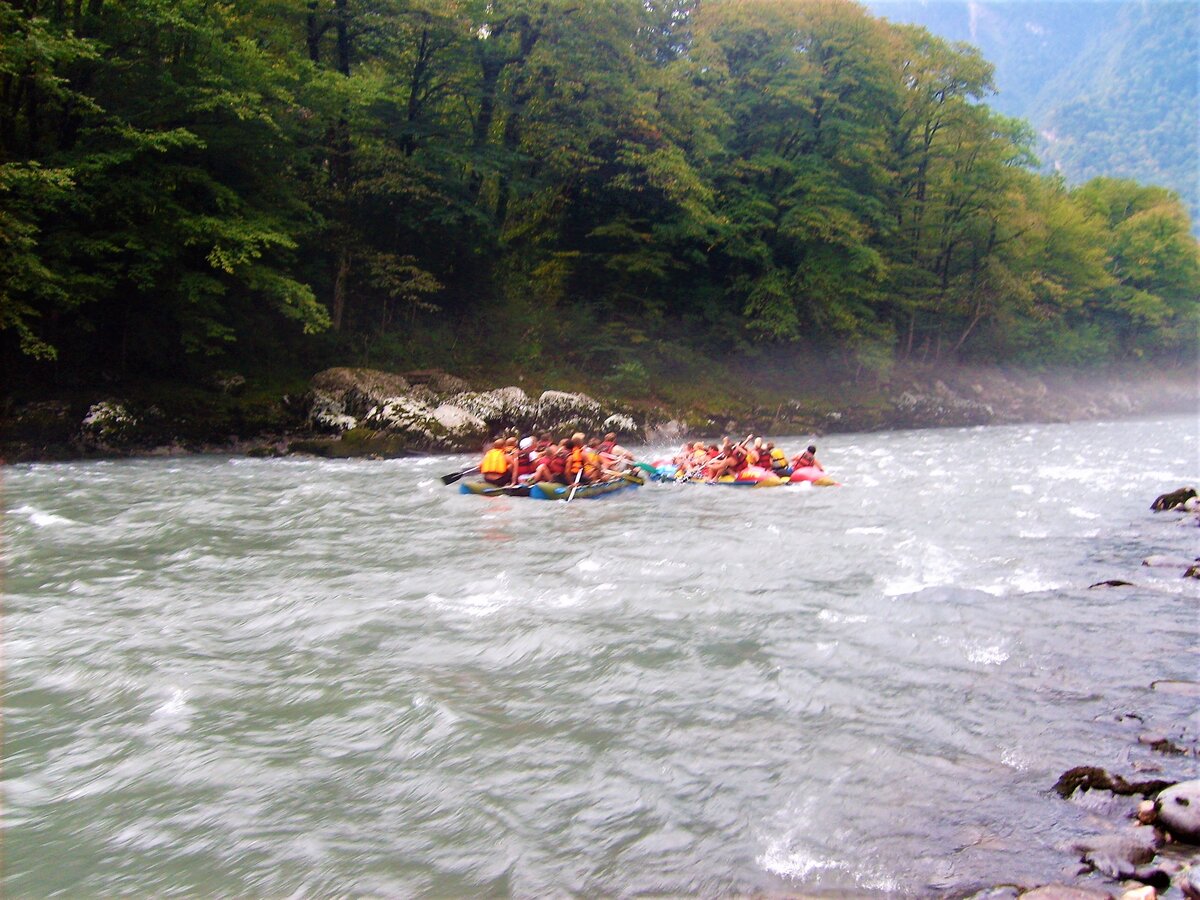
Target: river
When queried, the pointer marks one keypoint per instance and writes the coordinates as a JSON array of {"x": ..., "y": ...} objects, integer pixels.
[{"x": 298, "y": 677}]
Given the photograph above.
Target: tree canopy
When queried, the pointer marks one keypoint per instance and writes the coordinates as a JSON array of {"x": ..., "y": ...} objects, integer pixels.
[{"x": 419, "y": 182}]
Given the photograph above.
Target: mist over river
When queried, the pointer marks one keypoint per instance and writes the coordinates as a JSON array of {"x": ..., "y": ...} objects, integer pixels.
[{"x": 298, "y": 677}]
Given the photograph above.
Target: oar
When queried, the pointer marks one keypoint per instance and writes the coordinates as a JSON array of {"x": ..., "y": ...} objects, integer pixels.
[
  {"x": 454, "y": 476},
  {"x": 578, "y": 475}
]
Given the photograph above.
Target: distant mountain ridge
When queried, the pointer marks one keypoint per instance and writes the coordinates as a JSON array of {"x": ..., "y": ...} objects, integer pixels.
[{"x": 1112, "y": 88}]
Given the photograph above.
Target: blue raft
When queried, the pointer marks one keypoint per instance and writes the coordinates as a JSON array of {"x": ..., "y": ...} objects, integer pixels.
[{"x": 551, "y": 491}]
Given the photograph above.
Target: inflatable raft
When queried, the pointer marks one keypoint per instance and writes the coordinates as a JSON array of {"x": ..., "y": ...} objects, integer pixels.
[
  {"x": 483, "y": 489},
  {"x": 751, "y": 476},
  {"x": 549, "y": 491},
  {"x": 812, "y": 475},
  {"x": 553, "y": 491}
]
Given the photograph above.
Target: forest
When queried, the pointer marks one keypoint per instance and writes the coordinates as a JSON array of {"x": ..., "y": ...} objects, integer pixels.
[{"x": 618, "y": 186}]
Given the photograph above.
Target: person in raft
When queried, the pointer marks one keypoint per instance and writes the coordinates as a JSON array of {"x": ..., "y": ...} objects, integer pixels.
[
  {"x": 778, "y": 460},
  {"x": 496, "y": 466},
  {"x": 552, "y": 463},
  {"x": 807, "y": 459}
]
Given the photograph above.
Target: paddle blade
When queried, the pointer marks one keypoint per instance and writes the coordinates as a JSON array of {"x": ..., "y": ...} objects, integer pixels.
[{"x": 454, "y": 476}]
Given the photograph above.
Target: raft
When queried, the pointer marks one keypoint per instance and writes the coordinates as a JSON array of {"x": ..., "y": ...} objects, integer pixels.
[
  {"x": 483, "y": 489},
  {"x": 553, "y": 491},
  {"x": 813, "y": 475},
  {"x": 755, "y": 481}
]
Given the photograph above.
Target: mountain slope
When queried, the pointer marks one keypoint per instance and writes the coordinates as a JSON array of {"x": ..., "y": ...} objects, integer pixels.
[{"x": 1111, "y": 88}]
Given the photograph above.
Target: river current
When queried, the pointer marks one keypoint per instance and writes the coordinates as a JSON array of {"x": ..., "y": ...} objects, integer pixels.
[{"x": 296, "y": 677}]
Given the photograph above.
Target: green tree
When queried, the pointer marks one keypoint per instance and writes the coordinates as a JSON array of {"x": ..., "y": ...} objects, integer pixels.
[{"x": 1153, "y": 304}]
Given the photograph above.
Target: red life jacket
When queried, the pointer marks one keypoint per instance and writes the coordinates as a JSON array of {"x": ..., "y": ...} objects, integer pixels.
[
  {"x": 524, "y": 465},
  {"x": 557, "y": 464}
]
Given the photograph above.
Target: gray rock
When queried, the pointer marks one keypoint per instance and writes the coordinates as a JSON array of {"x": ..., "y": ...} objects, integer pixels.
[
  {"x": 328, "y": 414},
  {"x": 438, "y": 382},
  {"x": 461, "y": 426},
  {"x": 1179, "y": 811},
  {"x": 368, "y": 387},
  {"x": 1121, "y": 855},
  {"x": 559, "y": 411},
  {"x": 1173, "y": 499},
  {"x": 500, "y": 410},
  {"x": 622, "y": 424},
  {"x": 424, "y": 426}
]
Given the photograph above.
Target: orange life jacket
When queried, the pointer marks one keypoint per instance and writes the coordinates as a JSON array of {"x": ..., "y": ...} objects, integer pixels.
[
  {"x": 591, "y": 464},
  {"x": 574, "y": 463}
]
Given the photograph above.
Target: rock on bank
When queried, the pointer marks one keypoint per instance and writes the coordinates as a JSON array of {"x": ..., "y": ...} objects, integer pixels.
[{"x": 364, "y": 412}]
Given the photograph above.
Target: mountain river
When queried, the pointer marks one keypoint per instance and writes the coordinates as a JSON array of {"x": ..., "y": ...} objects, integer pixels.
[{"x": 299, "y": 677}]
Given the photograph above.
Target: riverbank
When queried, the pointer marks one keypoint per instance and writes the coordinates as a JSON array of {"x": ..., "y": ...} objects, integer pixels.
[{"x": 348, "y": 412}]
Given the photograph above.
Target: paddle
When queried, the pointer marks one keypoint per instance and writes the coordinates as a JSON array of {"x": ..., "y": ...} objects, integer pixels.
[
  {"x": 578, "y": 475},
  {"x": 454, "y": 476}
]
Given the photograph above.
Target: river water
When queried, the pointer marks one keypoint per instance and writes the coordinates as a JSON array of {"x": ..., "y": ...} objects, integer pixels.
[{"x": 295, "y": 677}]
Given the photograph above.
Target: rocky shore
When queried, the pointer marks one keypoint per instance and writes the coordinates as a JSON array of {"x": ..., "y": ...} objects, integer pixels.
[
  {"x": 348, "y": 412},
  {"x": 1146, "y": 843}
]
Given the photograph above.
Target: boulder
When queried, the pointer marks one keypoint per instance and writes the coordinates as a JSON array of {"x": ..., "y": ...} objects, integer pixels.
[
  {"x": 444, "y": 427},
  {"x": 437, "y": 381},
  {"x": 462, "y": 428},
  {"x": 621, "y": 424},
  {"x": 503, "y": 409},
  {"x": 371, "y": 383},
  {"x": 327, "y": 414},
  {"x": 342, "y": 397},
  {"x": 560, "y": 412},
  {"x": 1123, "y": 855},
  {"x": 1173, "y": 499},
  {"x": 1178, "y": 810},
  {"x": 358, "y": 390}
]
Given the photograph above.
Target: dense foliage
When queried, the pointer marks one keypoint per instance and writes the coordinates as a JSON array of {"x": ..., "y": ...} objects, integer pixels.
[{"x": 187, "y": 185}]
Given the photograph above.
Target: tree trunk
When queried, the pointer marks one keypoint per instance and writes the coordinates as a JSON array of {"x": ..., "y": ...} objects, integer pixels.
[{"x": 339, "y": 286}]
